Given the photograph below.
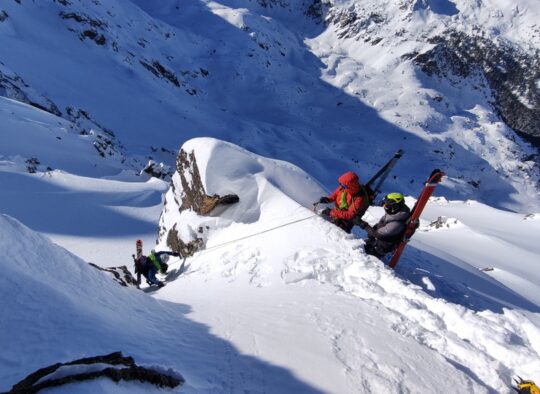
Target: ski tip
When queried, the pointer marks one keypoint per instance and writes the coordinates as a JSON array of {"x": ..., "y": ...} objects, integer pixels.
[{"x": 436, "y": 176}]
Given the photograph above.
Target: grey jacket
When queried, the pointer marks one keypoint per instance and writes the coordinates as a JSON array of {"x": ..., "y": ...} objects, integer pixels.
[
  {"x": 389, "y": 230},
  {"x": 391, "y": 227}
]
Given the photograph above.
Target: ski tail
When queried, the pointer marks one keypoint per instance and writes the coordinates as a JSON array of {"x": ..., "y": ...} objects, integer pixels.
[
  {"x": 138, "y": 248},
  {"x": 414, "y": 221},
  {"x": 382, "y": 174}
]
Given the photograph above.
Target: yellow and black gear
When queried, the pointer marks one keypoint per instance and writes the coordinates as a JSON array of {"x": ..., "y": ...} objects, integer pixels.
[{"x": 527, "y": 387}]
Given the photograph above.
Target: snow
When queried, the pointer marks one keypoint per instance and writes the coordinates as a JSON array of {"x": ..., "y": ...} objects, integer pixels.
[
  {"x": 317, "y": 270},
  {"x": 272, "y": 81},
  {"x": 312, "y": 315},
  {"x": 280, "y": 300}
]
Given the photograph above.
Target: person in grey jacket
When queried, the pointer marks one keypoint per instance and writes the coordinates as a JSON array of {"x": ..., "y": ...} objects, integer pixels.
[{"x": 388, "y": 232}]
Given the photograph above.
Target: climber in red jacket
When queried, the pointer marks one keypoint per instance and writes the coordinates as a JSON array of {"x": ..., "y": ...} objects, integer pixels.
[{"x": 351, "y": 199}]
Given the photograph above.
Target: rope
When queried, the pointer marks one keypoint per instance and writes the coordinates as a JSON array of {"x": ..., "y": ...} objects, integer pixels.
[
  {"x": 200, "y": 252},
  {"x": 254, "y": 234}
]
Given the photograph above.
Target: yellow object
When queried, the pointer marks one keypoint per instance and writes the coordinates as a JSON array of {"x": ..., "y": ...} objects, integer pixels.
[{"x": 528, "y": 387}]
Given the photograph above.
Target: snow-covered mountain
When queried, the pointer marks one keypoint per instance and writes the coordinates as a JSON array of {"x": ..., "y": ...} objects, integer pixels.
[
  {"x": 96, "y": 99},
  {"x": 147, "y": 76}
]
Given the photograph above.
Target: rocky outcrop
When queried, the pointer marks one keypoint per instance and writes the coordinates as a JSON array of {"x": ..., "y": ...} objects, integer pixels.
[
  {"x": 92, "y": 28},
  {"x": 512, "y": 75},
  {"x": 14, "y": 87},
  {"x": 157, "y": 170},
  {"x": 273, "y": 3},
  {"x": 120, "y": 275},
  {"x": 160, "y": 71},
  {"x": 174, "y": 241},
  {"x": 113, "y": 366},
  {"x": 454, "y": 51},
  {"x": 188, "y": 194},
  {"x": 194, "y": 196}
]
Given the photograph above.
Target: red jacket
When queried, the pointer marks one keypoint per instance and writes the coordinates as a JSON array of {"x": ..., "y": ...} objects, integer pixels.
[{"x": 347, "y": 197}]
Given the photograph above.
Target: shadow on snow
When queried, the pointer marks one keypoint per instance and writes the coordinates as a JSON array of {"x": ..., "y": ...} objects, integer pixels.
[{"x": 465, "y": 285}]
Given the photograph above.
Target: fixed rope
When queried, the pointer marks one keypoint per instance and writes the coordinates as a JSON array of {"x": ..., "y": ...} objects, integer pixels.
[
  {"x": 255, "y": 234},
  {"x": 200, "y": 252}
]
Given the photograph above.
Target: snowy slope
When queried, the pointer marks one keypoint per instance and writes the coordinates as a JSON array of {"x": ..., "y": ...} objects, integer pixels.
[
  {"x": 299, "y": 292},
  {"x": 90, "y": 91},
  {"x": 278, "y": 306},
  {"x": 55, "y": 307},
  {"x": 263, "y": 75},
  {"x": 55, "y": 181}
]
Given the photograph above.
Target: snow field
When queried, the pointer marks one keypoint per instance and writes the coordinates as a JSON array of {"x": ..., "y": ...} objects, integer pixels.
[
  {"x": 491, "y": 346},
  {"x": 298, "y": 307}
]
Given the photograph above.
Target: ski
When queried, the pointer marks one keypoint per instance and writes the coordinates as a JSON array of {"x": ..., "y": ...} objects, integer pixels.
[
  {"x": 138, "y": 248},
  {"x": 414, "y": 221},
  {"x": 382, "y": 174},
  {"x": 137, "y": 261}
]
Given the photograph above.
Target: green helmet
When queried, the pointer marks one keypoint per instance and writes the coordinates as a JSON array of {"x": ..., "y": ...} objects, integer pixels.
[
  {"x": 393, "y": 202},
  {"x": 397, "y": 198}
]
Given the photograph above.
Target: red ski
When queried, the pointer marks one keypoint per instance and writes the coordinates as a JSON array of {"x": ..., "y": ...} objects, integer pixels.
[
  {"x": 138, "y": 248},
  {"x": 414, "y": 220}
]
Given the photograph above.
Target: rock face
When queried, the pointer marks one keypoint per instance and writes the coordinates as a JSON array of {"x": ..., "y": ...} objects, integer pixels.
[
  {"x": 512, "y": 75},
  {"x": 113, "y": 366},
  {"x": 157, "y": 170},
  {"x": 194, "y": 196},
  {"x": 120, "y": 275},
  {"x": 188, "y": 194},
  {"x": 450, "y": 49},
  {"x": 14, "y": 87}
]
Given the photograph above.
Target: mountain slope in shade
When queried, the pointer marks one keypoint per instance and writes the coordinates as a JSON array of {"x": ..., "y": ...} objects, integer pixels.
[{"x": 154, "y": 75}]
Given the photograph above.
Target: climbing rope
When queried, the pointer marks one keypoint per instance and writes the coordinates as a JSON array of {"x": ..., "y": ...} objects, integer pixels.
[
  {"x": 254, "y": 234},
  {"x": 200, "y": 252}
]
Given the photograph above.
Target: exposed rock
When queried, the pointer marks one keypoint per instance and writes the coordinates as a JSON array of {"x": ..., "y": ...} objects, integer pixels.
[
  {"x": 178, "y": 246},
  {"x": 160, "y": 71},
  {"x": 189, "y": 194},
  {"x": 83, "y": 120},
  {"x": 273, "y": 3},
  {"x": 317, "y": 10},
  {"x": 158, "y": 170},
  {"x": 3, "y": 15},
  {"x": 14, "y": 87},
  {"x": 83, "y": 18},
  {"x": 32, "y": 165},
  {"x": 511, "y": 73},
  {"x": 94, "y": 30},
  {"x": 194, "y": 196},
  {"x": 94, "y": 36},
  {"x": 120, "y": 274},
  {"x": 119, "y": 368},
  {"x": 104, "y": 146}
]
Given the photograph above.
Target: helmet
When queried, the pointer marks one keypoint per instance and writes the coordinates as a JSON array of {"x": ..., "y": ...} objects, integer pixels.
[{"x": 393, "y": 202}]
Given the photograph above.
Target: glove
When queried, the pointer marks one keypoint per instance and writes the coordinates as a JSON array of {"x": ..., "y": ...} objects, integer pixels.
[
  {"x": 363, "y": 225},
  {"x": 324, "y": 200}
]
